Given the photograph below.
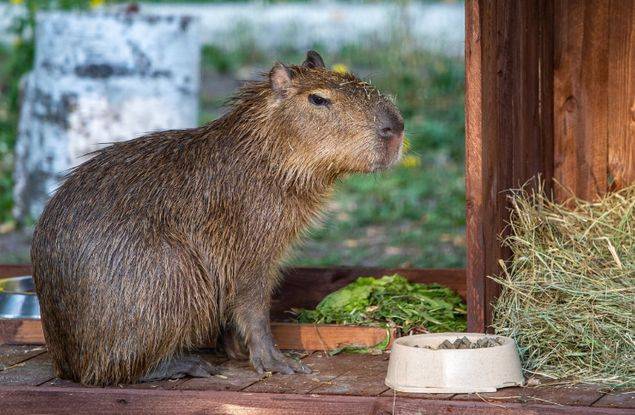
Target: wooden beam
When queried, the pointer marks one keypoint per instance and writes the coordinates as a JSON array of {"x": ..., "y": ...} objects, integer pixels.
[
  {"x": 621, "y": 92},
  {"x": 508, "y": 135},
  {"x": 10, "y": 270},
  {"x": 288, "y": 336},
  {"x": 581, "y": 75},
  {"x": 474, "y": 229},
  {"x": 52, "y": 400},
  {"x": 21, "y": 331},
  {"x": 326, "y": 337}
]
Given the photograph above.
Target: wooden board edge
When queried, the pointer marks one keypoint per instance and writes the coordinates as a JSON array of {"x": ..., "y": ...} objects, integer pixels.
[
  {"x": 475, "y": 271},
  {"x": 326, "y": 337},
  {"x": 14, "y": 270},
  {"x": 288, "y": 336},
  {"x": 21, "y": 331},
  {"x": 23, "y": 400}
]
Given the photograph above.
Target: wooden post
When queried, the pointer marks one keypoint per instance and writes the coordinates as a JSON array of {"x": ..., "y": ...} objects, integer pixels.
[
  {"x": 594, "y": 96},
  {"x": 509, "y": 128},
  {"x": 581, "y": 97},
  {"x": 550, "y": 89},
  {"x": 621, "y": 92}
]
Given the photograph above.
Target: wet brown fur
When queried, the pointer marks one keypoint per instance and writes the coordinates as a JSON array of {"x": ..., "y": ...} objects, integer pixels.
[{"x": 156, "y": 244}]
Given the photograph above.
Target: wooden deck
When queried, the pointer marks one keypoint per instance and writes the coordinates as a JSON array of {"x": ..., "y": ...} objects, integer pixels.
[{"x": 350, "y": 384}]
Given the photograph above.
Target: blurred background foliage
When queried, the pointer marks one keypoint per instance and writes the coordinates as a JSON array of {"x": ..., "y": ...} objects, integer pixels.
[{"x": 411, "y": 216}]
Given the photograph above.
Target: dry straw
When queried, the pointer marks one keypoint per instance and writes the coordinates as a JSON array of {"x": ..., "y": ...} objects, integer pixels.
[{"x": 568, "y": 296}]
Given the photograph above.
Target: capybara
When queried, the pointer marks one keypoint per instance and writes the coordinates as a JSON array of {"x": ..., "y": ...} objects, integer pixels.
[{"x": 173, "y": 240}]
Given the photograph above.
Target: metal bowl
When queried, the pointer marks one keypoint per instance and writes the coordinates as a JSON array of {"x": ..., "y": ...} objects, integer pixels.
[{"x": 18, "y": 299}]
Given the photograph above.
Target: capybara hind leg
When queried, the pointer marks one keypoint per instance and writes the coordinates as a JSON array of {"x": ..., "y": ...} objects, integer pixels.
[
  {"x": 234, "y": 345},
  {"x": 180, "y": 367}
]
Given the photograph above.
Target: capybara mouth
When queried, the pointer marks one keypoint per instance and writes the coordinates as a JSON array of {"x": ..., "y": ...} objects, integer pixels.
[{"x": 391, "y": 153}]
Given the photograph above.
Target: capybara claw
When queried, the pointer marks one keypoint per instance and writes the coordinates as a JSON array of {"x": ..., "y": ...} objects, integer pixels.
[{"x": 277, "y": 362}]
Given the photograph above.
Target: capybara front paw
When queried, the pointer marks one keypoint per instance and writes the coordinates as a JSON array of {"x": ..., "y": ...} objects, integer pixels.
[{"x": 274, "y": 361}]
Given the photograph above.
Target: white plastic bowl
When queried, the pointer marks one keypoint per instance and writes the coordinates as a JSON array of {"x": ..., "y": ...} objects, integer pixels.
[{"x": 420, "y": 370}]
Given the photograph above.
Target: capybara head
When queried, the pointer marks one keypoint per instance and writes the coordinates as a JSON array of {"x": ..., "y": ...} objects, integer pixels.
[{"x": 327, "y": 120}]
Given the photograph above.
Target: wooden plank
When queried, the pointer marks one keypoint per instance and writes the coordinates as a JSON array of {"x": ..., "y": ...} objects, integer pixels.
[
  {"x": 580, "y": 395},
  {"x": 366, "y": 378},
  {"x": 29, "y": 400},
  {"x": 322, "y": 368},
  {"x": 581, "y": 96},
  {"x": 32, "y": 372},
  {"x": 325, "y": 368},
  {"x": 508, "y": 82},
  {"x": 9, "y": 270},
  {"x": 65, "y": 383},
  {"x": 474, "y": 227},
  {"x": 437, "y": 396},
  {"x": 621, "y": 92},
  {"x": 618, "y": 399},
  {"x": 335, "y": 375},
  {"x": 128, "y": 401},
  {"x": 162, "y": 384},
  {"x": 327, "y": 336},
  {"x": 21, "y": 331},
  {"x": 239, "y": 375},
  {"x": 234, "y": 376},
  {"x": 500, "y": 126},
  {"x": 13, "y": 354},
  {"x": 418, "y": 406},
  {"x": 545, "y": 123},
  {"x": 287, "y": 335}
]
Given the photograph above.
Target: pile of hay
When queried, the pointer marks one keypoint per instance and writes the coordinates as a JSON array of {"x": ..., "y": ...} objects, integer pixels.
[{"x": 568, "y": 295}]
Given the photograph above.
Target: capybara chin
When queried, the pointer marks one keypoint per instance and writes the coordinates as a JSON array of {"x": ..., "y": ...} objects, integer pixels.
[{"x": 173, "y": 240}]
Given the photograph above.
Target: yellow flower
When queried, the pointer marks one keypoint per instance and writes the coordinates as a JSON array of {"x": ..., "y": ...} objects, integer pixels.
[
  {"x": 96, "y": 3},
  {"x": 410, "y": 161},
  {"x": 439, "y": 66},
  {"x": 340, "y": 68},
  {"x": 17, "y": 2}
]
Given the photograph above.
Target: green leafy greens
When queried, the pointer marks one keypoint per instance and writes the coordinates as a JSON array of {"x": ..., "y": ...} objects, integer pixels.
[{"x": 391, "y": 301}]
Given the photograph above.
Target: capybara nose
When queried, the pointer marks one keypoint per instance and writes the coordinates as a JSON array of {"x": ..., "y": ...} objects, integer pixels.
[{"x": 390, "y": 123}]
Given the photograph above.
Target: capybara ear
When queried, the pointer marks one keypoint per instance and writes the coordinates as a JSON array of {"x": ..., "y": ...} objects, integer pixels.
[
  {"x": 313, "y": 60},
  {"x": 280, "y": 78}
]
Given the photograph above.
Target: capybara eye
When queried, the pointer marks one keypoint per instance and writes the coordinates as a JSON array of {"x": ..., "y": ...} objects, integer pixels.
[{"x": 318, "y": 100}]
